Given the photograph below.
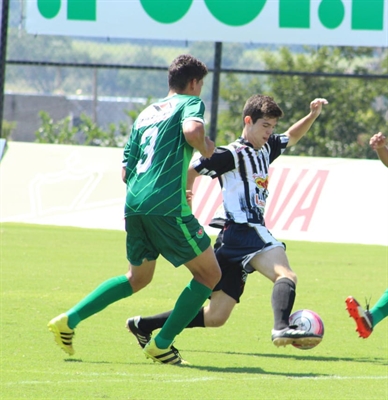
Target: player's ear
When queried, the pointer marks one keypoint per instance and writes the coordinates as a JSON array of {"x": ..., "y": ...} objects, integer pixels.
[{"x": 247, "y": 120}]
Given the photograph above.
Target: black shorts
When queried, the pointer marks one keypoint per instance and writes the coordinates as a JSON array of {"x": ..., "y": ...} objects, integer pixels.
[
  {"x": 235, "y": 246},
  {"x": 233, "y": 276}
]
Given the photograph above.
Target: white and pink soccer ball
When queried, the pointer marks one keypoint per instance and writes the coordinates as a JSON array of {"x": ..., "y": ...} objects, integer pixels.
[{"x": 309, "y": 321}]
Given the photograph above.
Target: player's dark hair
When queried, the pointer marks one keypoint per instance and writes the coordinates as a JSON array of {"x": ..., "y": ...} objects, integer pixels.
[
  {"x": 183, "y": 69},
  {"x": 260, "y": 106}
]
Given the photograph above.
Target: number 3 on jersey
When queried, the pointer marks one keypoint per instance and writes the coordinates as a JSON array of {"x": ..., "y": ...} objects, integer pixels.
[{"x": 148, "y": 151}]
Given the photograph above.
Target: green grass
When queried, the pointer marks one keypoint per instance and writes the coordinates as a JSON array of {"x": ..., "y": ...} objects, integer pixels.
[{"x": 45, "y": 270}]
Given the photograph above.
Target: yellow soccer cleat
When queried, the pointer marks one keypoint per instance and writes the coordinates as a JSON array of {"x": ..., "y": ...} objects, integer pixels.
[
  {"x": 63, "y": 335},
  {"x": 164, "y": 356}
]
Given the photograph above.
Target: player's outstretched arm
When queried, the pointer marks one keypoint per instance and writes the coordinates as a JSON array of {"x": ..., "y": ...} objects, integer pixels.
[
  {"x": 379, "y": 143},
  {"x": 301, "y": 127}
]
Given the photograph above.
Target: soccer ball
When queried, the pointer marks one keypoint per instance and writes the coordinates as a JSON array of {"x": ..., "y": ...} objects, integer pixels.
[{"x": 309, "y": 321}]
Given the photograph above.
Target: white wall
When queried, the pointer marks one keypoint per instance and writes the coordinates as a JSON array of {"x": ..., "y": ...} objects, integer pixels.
[{"x": 312, "y": 199}]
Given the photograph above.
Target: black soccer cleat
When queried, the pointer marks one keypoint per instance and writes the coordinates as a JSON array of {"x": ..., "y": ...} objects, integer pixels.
[
  {"x": 142, "y": 337},
  {"x": 295, "y": 336}
]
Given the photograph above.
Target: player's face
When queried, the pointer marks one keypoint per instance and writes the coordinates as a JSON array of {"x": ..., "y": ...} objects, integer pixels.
[{"x": 259, "y": 132}]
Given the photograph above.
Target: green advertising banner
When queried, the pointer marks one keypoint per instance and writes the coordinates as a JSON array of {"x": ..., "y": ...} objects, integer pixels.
[{"x": 325, "y": 22}]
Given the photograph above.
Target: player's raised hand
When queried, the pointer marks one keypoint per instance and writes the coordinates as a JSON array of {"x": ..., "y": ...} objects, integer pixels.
[
  {"x": 316, "y": 106},
  {"x": 378, "y": 141}
]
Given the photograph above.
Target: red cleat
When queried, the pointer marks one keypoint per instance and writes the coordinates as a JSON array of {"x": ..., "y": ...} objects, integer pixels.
[{"x": 362, "y": 317}]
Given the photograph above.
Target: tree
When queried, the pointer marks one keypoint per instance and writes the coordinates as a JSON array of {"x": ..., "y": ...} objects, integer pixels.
[
  {"x": 353, "y": 115},
  {"x": 86, "y": 132}
]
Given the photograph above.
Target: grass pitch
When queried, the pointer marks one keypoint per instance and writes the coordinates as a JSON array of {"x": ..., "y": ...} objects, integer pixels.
[{"x": 46, "y": 270}]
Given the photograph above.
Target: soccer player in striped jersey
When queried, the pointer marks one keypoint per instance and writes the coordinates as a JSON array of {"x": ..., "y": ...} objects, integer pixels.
[
  {"x": 242, "y": 169},
  {"x": 158, "y": 218}
]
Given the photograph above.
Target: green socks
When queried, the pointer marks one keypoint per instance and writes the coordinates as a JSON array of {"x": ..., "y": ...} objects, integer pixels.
[
  {"x": 380, "y": 310},
  {"x": 107, "y": 293},
  {"x": 114, "y": 289},
  {"x": 186, "y": 308}
]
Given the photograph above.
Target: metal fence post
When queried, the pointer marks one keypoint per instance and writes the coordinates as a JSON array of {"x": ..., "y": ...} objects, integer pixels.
[
  {"x": 215, "y": 90},
  {"x": 95, "y": 94},
  {"x": 4, "y": 8}
]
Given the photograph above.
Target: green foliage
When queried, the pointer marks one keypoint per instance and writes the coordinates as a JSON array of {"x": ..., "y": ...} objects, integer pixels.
[
  {"x": 86, "y": 133},
  {"x": 7, "y": 127},
  {"x": 357, "y": 109},
  {"x": 64, "y": 264},
  {"x": 345, "y": 125},
  {"x": 61, "y": 132},
  {"x": 234, "y": 92},
  {"x": 384, "y": 64},
  {"x": 92, "y": 135}
]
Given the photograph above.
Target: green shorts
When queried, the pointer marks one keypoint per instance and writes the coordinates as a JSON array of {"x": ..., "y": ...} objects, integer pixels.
[{"x": 178, "y": 240}]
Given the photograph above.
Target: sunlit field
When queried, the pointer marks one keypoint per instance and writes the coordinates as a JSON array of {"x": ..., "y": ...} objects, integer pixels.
[{"x": 46, "y": 270}]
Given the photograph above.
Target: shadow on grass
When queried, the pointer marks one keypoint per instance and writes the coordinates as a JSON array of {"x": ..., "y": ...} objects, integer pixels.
[
  {"x": 302, "y": 357},
  {"x": 256, "y": 370},
  {"x": 236, "y": 370},
  {"x": 253, "y": 370}
]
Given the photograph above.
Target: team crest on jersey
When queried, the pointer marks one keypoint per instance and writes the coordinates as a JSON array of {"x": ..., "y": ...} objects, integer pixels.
[
  {"x": 261, "y": 182},
  {"x": 241, "y": 148},
  {"x": 200, "y": 233}
]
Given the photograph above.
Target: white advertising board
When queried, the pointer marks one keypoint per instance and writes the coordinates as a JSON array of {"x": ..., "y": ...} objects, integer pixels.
[
  {"x": 311, "y": 199},
  {"x": 325, "y": 22}
]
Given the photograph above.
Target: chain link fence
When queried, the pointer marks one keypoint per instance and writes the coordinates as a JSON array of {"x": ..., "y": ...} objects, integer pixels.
[{"x": 105, "y": 80}]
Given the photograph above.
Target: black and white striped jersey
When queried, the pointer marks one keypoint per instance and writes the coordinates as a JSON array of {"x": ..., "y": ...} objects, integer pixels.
[{"x": 243, "y": 174}]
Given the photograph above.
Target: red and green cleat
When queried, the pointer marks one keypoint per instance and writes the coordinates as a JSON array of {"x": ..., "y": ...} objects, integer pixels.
[{"x": 363, "y": 318}]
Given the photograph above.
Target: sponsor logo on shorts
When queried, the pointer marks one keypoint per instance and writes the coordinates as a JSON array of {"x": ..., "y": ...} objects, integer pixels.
[{"x": 200, "y": 233}]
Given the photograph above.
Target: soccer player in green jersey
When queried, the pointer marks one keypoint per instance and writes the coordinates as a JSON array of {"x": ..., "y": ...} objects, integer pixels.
[
  {"x": 366, "y": 320},
  {"x": 158, "y": 219},
  {"x": 244, "y": 244}
]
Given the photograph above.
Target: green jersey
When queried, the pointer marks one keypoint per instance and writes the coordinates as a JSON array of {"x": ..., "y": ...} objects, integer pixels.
[{"x": 157, "y": 157}]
